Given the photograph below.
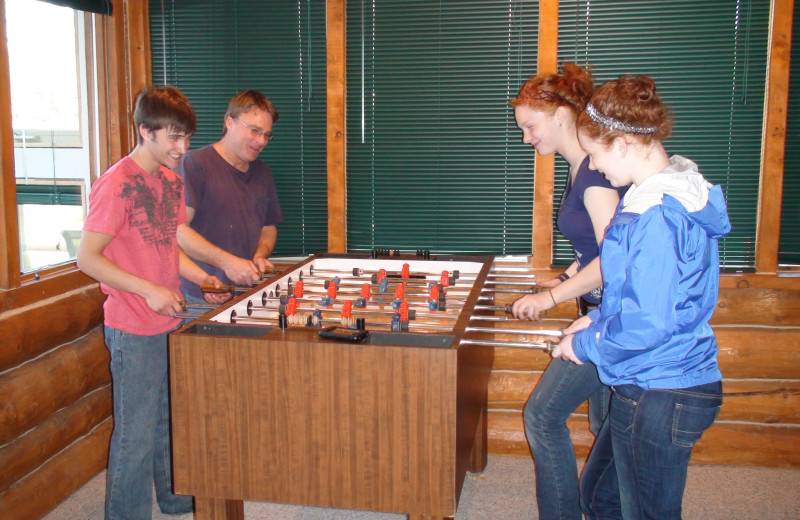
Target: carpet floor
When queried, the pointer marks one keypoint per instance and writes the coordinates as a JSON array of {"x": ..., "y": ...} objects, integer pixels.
[{"x": 505, "y": 491}]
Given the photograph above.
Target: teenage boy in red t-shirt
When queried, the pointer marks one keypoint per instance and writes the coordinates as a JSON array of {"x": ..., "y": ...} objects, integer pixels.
[{"x": 130, "y": 246}]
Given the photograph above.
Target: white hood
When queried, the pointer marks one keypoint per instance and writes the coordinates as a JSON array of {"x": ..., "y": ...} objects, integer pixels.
[{"x": 680, "y": 180}]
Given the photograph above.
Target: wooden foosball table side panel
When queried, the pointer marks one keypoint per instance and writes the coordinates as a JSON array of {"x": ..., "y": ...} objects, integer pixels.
[{"x": 324, "y": 424}]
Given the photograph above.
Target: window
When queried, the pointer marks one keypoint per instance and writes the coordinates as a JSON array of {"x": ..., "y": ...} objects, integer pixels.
[
  {"x": 49, "y": 101},
  {"x": 212, "y": 50},
  {"x": 434, "y": 158},
  {"x": 789, "y": 249},
  {"x": 709, "y": 62}
]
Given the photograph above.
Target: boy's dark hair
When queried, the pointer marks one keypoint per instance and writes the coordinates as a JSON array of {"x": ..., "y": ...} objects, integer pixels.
[{"x": 163, "y": 107}]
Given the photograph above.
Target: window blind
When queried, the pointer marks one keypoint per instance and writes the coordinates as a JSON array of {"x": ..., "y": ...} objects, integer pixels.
[
  {"x": 213, "y": 50},
  {"x": 789, "y": 246},
  {"x": 708, "y": 59},
  {"x": 434, "y": 158}
]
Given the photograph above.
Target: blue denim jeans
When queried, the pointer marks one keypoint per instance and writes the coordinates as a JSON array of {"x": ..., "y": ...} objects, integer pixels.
[
  {"x": 561, "y": 389},
  {"x": 651, "y": 434},
  {"x": 140, "y": 452}
]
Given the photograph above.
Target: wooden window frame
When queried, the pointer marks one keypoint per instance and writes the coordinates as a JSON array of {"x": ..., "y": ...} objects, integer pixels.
[{"x": 120, "y": 43}]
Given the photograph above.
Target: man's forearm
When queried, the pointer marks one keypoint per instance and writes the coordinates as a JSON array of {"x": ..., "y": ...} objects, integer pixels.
[
  {"x": 198, "y": 248},
  {"x": 266, "y": 241}
]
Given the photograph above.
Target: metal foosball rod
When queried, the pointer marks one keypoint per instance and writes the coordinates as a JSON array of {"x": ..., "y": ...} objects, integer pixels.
[
  {"x": 351, "y": 290},
  {"x": 500, "y": 308},
  {"x": 532, "y": 290},
  {"x": 390, "y": 285},
  {"x": 492, "y": 318},
  {"x": 197, "y": 305},
  {"x": 413, "y": 314},
  {"x": 356, "y": 271},
  {"x": 315, "y": 295},
  {"x": 546, "y": 346},
  {"x": 372, "y": 303},
  {"x": 510, "y": 275},
  {"x": 225, "y": 288},
  {"x": 416, "y": 326},
  {"x": 506, "y": 282},
  {"x": 359, "y": 280},
  {"x": 532, "y": 332}
]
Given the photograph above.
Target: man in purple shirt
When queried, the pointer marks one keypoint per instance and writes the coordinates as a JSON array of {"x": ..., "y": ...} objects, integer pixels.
[{"x": 231, "y": 202}]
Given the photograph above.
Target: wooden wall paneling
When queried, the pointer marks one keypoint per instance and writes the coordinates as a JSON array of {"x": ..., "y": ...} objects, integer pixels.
[
  {"x": 98, "y": 41},
  {"x": 746, "y": 444},
  {"x": 774, "y": 136},
  {"x": 337, "y": 128},
  {"x": 755, "y": 306},
  {"x": 9, "y": 230},
  {"x": 47, "y": 286},
  {"x": 544, "y": 168},
  {"x": 744, "y": 352},
  {"x": 759, "y": 281},
  {"x": 725, "y": 443},
  {"x": 37, "y": 328},
  {"x": 768, "y": 401},
  {"x": 23, "y": 455},
  {"x": 758, "y": 352},
  {"x": 53, "y": 482},
  {"x": 137, "y": 29},
  {"x": 36, "y": 390},
  {"x": 508, "y": 433},
  {"x": 119, "y": 101}
]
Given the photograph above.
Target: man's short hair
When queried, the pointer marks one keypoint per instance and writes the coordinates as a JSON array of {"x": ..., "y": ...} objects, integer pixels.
[
  {"x": 163, "y": 107},
  {"x": 245, "y": 100}
]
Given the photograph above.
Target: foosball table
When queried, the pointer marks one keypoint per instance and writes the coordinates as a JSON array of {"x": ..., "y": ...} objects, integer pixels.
[{"x": 345, "y": 381}]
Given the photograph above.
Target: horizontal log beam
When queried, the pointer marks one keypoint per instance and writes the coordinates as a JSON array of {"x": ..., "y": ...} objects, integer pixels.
[
  {"x": 744, "y": 352},
  {"x": 35, "y": 329},
  {"x": 725, "y": 443},
  {"x": 23, "y": 455},
  {"x": 766, "y": 401},
  {"x": 758, "y": 352},
  {"x": 757, "y": 306},
  {"x": 44, "y": 489},
  {"x": 49, "y": 285},
  {"x": 34, "y": 391},
  {"x": 507, "y": 433}
]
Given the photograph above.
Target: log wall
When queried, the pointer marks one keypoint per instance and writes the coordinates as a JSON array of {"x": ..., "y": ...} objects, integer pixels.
[
  {"x": 55, "y": 397},
  {"x": 757, "y": 325},
  {"x": 55, "y": 394}
]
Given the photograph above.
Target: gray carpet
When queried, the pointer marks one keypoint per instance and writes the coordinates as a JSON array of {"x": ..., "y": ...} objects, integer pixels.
[{"x": 505, "y": 491}]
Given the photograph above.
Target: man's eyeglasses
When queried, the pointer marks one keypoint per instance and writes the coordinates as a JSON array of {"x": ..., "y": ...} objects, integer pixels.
[{"x": 255, "y": 132}]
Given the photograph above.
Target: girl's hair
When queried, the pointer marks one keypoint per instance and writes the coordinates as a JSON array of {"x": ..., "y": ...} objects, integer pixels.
[
  {"x": 572, "y": 88},
  {"x": 630, "y": 106},
  {"x": 164, "y": 107}
]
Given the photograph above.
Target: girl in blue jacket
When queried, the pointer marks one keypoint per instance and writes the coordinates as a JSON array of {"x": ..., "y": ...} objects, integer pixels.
[{"x": 650, "y": 338}]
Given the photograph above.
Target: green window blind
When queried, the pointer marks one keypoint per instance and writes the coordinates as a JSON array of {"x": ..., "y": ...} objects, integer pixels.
[
  {"x": 212, "y": 50},
  {"x": 434, "y": 158},
  {"x": 49, "y": 194},
  {"x": 708, "y": 59},
  {"x": 789, "y": 245}
]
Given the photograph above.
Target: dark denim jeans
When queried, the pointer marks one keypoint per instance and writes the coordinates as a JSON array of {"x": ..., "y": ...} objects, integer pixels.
[
  {"x": 561, "y": 389},
  {"x": 651, "y": 434},
  {"x": 140, "y": 453}
]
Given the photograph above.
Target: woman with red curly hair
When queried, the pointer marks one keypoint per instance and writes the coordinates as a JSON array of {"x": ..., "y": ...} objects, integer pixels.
[
  {"x": 650, "y": 339},
  {"x": 546, "y": 111}
]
